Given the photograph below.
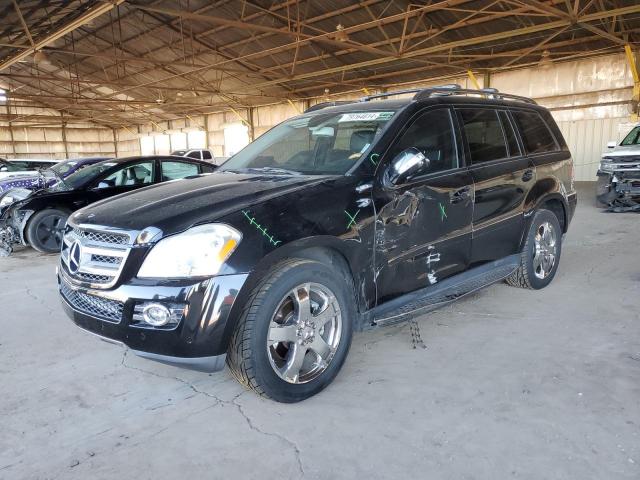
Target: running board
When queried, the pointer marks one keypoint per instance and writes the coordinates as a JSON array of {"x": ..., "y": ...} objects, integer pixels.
[{"x": 435, "y": 296}]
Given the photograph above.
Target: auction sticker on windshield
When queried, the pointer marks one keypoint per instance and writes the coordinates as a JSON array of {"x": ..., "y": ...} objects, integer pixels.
[{"x": 365, "y": 116}]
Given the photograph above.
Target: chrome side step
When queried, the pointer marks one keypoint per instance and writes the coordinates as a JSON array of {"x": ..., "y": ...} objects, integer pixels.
[{"x": 435, "y": 296}]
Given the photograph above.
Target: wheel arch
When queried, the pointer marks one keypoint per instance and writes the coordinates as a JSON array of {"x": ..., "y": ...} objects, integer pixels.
[{"x": 324, "y": 249}]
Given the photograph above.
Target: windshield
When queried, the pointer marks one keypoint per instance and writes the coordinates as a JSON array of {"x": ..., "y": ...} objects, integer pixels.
[
  {"x": 11, "y": 167},
  {"x": 87, "y": 174},
  {"x": 63, "y": 169},
  {"x": 320, "y": 144},
  {"x": 633, "y": 138}
]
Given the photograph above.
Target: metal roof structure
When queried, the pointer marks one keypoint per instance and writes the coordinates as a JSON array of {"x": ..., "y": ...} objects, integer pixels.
[{"x": 129, "y": 62}]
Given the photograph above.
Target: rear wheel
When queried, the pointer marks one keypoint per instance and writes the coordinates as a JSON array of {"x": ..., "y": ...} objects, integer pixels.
[
  {"x": 45, "y": 229},
  {"x": 294, "y": 333},
  {"x": 541, "y": 253}
]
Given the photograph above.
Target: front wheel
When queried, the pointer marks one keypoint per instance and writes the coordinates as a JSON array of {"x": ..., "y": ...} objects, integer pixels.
[
  {"x": 45, "y": 230},
  {"x": 541, "y": 253},
  {"x": 294, "y": 333}
]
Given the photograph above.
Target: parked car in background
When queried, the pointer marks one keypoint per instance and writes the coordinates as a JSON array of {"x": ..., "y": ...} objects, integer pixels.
[
  {"x": 198, "y": 154},
  {"x": 618, "y": 183},
  {"x": 38, "y": 218},
  {"x": 23, "y": 166},
  {"x": 339, "y": 219},
  {"x": 47, "y": 177}
]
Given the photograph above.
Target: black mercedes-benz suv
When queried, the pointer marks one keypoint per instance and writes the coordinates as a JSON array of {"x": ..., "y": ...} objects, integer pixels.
[{"x": 345, "y": 217}]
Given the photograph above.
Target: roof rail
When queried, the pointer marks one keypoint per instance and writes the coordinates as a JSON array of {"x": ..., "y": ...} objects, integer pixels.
[
  {"x": 483, "y": 92},
  {"x": 320, "y": 106}
]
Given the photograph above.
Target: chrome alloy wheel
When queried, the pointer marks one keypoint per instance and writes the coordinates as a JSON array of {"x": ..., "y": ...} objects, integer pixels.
[
  {"x": 304, "y": 333},
  {"x": 544, "y": 254}
]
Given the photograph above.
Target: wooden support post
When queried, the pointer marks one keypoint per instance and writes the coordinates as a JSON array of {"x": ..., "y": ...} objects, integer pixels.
[
  {"x": 206, "y": 131},
  {"x": 252, "y": 131},
  {"x": 13, "y": 142},
  {"x": 115, "y": 141},
  {"x": 487, "y": 79},
  {"x": 631, "y": 58},
  {"x": 64, "y": 137}
]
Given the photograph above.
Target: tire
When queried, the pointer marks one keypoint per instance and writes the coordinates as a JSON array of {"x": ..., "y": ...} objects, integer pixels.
[
  {"x": 45, "y": 229},
  {"x": 532, "y": 273},
  {"x": 268, "y": 366}
]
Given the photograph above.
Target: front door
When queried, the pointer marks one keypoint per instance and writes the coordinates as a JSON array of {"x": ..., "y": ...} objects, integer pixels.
[
  {"x": 125, "y": 179},
  {"x": 423, "y": 227}
]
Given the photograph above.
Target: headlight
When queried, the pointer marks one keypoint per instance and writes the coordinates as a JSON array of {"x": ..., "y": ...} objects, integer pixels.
[
  {"x": 13, "y": 195},
  {"x": 606, "y": 165},
  {"x": 198, "y": 252},
  {"x": 7, "y": 200}
]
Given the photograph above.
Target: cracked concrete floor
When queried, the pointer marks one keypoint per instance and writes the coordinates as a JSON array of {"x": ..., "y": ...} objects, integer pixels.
[{"x": 513, "y": 383}]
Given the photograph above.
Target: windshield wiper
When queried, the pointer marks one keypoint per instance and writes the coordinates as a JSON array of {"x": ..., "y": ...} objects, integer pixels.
[{"x": 278, "y": 171}]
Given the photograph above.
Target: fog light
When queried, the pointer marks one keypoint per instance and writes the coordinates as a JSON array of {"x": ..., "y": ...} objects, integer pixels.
[{"x": 157, "y": 315}]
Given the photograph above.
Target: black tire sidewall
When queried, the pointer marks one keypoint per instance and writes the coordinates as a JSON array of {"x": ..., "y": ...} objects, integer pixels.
[
  {"x": 540, "y": 217},
  {"x": 313, "y": 272},
  {"x": 32, "y": 226}
]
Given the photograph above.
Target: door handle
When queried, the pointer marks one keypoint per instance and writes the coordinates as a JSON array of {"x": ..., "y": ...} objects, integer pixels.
[
  {"x": 460, "y": 195},
  {"x": 527, "y": 175}
]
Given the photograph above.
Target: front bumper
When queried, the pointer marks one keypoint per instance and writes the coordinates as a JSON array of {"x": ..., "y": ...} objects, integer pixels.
[
  {"x": 619, "y": 186},
  {"x": 200, "y": 339}
]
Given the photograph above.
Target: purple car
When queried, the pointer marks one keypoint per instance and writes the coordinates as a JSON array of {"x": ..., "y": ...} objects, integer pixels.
[{"x": 50, "y": 176}]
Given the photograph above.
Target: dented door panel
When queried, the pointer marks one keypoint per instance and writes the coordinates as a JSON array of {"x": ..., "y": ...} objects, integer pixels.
[{"x": 423, "y": 232}]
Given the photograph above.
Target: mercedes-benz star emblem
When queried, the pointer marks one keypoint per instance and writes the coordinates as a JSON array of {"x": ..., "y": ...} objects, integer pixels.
[{"x": 74, "y": 257}]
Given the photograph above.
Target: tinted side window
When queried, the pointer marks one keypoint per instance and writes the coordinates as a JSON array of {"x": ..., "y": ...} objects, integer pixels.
[
  {"x": 484, "y": 135},
  {"x": 535, "y": 134},
  {"x": 131, "y": 175},
  {"x": 432, "y": 134},
  {"x": 206, "y": 155},
  {"x": 175, "y": 170},
  {"x": 195, "y": 154},
  {"x": 514, "y": 148}
]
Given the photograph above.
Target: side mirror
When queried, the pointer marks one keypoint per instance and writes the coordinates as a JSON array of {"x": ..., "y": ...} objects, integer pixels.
[
  {"x": 406, "y": 165},
  {"x": 102, "y": 185},
  {"x": 4, "y": 168},
  {"x": 612, "y": 144}
]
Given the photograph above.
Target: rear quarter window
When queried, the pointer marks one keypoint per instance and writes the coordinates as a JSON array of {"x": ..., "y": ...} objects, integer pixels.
[{"x": 536, "y": 135}]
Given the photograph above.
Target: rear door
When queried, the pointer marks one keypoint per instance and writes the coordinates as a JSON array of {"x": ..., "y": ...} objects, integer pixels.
[
  {"x": 172, "y": 169},
  {"x": 423, "y": 228},
  {"x": 502, "y": 177}
]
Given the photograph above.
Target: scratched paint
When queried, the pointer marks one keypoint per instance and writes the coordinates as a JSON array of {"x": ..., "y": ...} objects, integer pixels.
[{"x": 261, "y": 229}]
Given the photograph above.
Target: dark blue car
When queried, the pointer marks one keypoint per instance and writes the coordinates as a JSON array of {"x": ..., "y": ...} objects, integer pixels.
[{"x": 48, "y": 177}]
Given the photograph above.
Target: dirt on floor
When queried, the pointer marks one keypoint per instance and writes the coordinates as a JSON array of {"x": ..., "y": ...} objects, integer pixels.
[{"x": 512, "y": 384}]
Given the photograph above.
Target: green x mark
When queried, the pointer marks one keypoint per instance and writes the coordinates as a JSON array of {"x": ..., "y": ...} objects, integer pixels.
[
  {"x": 443, "y": 214},
  {"x": 352, "y": 219}
]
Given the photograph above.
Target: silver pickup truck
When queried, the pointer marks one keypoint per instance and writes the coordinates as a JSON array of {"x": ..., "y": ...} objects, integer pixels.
[{"x": 618, "y": 185}]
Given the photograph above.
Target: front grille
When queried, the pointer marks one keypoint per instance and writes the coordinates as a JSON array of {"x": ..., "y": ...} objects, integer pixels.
[
  {"x": 92, "y": 277},
  {"x": 102, "y": 308},
  {"x": 94, "y": 258},
  {"x": 105, "y": 259},
  {"x": 102, "y": 237}
]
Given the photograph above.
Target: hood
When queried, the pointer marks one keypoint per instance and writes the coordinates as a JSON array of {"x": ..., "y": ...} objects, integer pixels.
[
  {"x": 176, "y": 205},
  {"x": 623, "y": 153}
]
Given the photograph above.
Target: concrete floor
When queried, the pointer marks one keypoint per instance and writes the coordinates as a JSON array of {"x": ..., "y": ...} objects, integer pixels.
[{"x": 513, "y": 383}]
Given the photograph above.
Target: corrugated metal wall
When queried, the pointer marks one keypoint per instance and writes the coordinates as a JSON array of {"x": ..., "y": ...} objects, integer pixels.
[{"x": 587, "y": 140}]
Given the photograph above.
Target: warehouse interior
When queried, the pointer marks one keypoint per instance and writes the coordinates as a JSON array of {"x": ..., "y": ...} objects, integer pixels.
[{"x": 540, "y": 385}]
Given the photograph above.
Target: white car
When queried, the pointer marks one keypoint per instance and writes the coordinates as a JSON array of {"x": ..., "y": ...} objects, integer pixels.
[
  {"x": 197, "y": 153},
  {"x": 23, "y": 166}
]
